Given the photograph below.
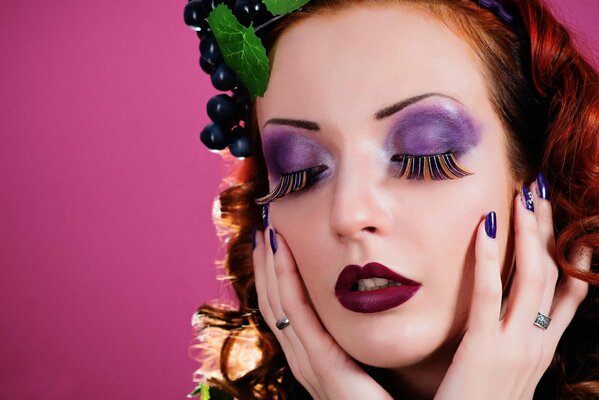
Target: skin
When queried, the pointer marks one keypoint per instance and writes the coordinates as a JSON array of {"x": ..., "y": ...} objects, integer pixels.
[
  {"x": 362, "y": 213},
  {"x": 359, "y": 212}
]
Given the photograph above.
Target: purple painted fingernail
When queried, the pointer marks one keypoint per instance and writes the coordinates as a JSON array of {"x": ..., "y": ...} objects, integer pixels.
[
  {"x": 273, "y": 240},
  {"x": 542, "y": 186},
  {"x": 265, "y": 215},
  {"x": 527, "y": 200},
  {"x": 254, "y": 230},
  {"x": 491, "y": 225}
]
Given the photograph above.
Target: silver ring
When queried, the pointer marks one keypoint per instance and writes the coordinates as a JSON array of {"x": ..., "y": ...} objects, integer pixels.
[
  {"x": 282, "y": 323},
  {"x": 542, "y": 321}
]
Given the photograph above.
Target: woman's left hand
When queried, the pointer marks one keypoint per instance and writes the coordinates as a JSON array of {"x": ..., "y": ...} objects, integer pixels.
[{"x": 505, "y": 359}]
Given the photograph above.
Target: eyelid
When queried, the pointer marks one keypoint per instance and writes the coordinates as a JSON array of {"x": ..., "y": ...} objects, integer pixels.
[
  {"x": 292, "y": 182},
  {"x": 434, "y": 167}
]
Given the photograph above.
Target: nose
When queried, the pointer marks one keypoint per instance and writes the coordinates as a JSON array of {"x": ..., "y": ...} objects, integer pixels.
[{"x": 360, "y": 204}]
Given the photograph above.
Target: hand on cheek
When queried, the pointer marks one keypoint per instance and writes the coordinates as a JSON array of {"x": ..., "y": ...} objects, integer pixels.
[
  {"x": 315, "y": 359},
  {"x": 505, "y": 359}
]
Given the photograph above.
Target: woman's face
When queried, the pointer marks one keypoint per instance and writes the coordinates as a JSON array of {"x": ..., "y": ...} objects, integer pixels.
[{"x": 338, "y": 71}]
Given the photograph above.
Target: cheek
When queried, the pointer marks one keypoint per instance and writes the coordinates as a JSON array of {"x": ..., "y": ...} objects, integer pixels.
[{"x": 309, "y": 241}]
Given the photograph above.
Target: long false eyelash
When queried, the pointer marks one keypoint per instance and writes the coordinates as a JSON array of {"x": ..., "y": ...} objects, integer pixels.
[
  {"x": 435, "y": 167},
  {"x": 292, "y": 183}
]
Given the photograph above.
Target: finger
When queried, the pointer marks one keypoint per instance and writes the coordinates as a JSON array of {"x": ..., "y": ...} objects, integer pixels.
[
  {"x": 267, "y": 291},
  {"x": 266, "y": 298},
  {"x": 570, "y": 291},
  {"x": 258, "y": 258},
  {"x": 543, "y": 213},
  {"x": 271, "y": 280},
  {"x": 486, "y": 297},
  {"x": 292, "y": 295},
  {"x": 293, "y": 348},
  {"x": 529, "y": 278}
]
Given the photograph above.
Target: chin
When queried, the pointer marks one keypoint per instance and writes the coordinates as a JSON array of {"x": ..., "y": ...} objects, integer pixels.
[
  {"x": 389, "y": 346},
  {"x": 393, "y": 360},
  {"x": 393, "y": 343},
  {"x": 392, "y": 356}
]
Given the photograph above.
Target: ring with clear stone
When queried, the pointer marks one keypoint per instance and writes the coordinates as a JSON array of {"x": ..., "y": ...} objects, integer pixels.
[{"x": 542, "y": 321}]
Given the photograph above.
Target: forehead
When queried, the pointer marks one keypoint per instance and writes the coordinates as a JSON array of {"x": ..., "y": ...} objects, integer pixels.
[{"x": 342, "y": 67}]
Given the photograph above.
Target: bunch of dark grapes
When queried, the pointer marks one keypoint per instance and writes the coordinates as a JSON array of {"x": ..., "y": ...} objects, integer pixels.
[{"x": 230, "y": 114}]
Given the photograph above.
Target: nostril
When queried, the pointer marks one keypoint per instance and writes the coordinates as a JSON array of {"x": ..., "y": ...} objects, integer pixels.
[{"x": 370, "y": 229}]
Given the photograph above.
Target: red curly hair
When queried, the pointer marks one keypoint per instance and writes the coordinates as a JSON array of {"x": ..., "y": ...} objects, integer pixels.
[{"x": 547, "y": 97}]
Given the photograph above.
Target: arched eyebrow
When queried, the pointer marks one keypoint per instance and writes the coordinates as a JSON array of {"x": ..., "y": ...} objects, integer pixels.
[
  {"x": 392, "y": 109},
  {"x": 296, "y": 123},
  {"x": 379, "y": 115}
]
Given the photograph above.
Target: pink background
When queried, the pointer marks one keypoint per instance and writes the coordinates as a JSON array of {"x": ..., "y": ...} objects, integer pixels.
[{"x": 106, "y": 241}]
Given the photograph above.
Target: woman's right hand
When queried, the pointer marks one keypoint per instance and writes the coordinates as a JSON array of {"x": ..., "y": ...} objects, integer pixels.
[{"x": 316, "y": 360}]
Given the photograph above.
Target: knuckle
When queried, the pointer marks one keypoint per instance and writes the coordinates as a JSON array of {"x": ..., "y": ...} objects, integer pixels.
[
  {"x": 553, "y": 275},
  {"x": 285, "y": 306},
  {"x": 262, "y": 305},
  {"x": 543, "y": 212},
  {"x": 281, "y": 271},
  {"x": 488, "y": 293},
  {"x": 490, "y": 255},
  {"x": 535, "y": 281},
  {"x": 579, "y": 292},
  {"x": 527, "y": 226}
]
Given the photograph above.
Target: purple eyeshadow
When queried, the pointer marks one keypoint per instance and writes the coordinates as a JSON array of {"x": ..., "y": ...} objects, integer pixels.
[
  {"x": 427, "y": 129},
  {"x": 286, "y": 152}
]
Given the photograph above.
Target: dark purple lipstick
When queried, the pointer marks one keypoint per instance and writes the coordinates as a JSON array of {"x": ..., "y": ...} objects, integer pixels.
[{"x": 376, "y": 300}]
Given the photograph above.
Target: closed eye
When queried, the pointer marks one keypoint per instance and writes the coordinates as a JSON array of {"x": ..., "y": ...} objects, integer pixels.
[
  {"x": 292, "y": 182},
  {"x": 435, "y": 167}
]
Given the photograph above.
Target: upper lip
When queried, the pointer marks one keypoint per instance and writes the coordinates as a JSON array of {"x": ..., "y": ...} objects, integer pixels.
[{"x": 353, "y": 273}]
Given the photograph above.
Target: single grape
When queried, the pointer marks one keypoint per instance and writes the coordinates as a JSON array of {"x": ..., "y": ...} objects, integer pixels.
[
  {"x": 246, "y": 11},
  {"x": 202, "y": 28},
  {"x": 214, "y": 136},
  {"x": 209, "y": 49},
  {"x": 262, "y": 15},
  {"x": 241, "y": 146},
  {"x": 222, "y": 109},
  {"x": 194, "y": 12},
  {"x": 223, "y": 77}
]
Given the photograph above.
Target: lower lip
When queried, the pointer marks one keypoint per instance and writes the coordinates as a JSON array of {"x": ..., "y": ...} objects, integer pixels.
[{"x": 377, "y": 300}]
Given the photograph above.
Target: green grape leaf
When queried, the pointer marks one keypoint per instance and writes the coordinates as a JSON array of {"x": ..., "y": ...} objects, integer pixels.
[
  {"x": 205, "y": 393},
  {"x": 242, "y": 50},
  {"x": 199, "y": 390},
  {"x": 277, "y": 7}
]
